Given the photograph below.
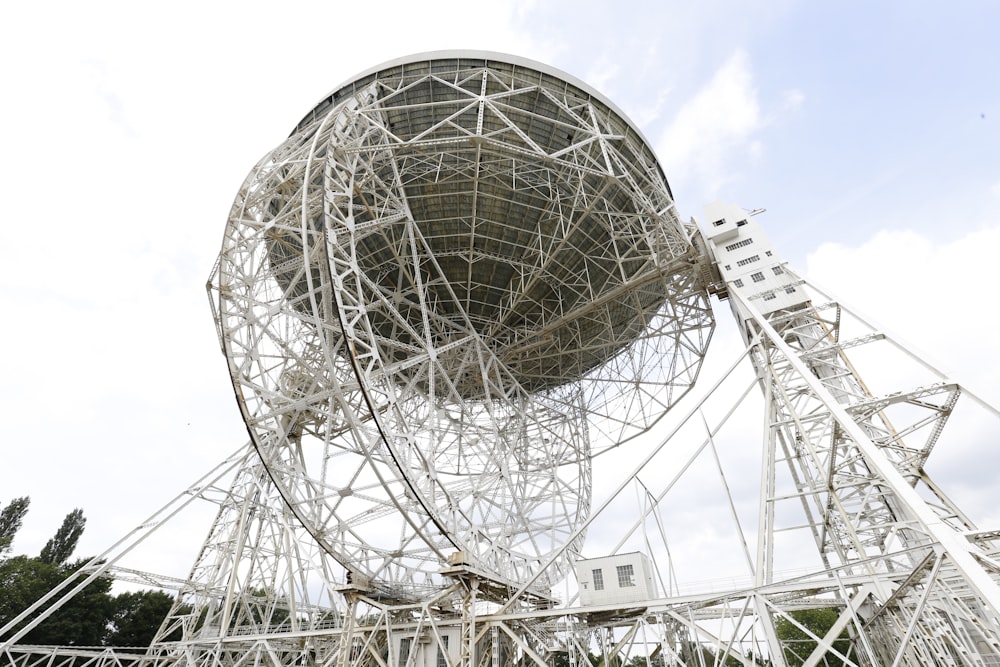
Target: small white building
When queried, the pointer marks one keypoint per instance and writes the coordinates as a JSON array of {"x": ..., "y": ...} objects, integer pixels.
[
  {"x": 621, "y": 578},
  {"x": 427, "y": 649}
]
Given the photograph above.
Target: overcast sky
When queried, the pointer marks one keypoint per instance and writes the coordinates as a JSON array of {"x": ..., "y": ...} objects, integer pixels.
[{"x": 869, "y": 131}]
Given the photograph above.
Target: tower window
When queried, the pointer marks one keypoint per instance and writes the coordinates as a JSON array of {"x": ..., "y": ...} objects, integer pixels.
[
  {"x": 598, "y": 576},
  {"x": 626, "y": 576},
  {"x": 442, "y": 657},
  {"x": 739, "y": 244},
  {"x": 404, "y": 650},
  {"x": 757, "y": 277}
]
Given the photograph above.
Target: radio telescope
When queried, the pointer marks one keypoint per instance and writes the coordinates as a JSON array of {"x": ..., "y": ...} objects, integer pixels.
[
  {"x": 458, "y": 280},
  {"x": 457, "y": 284}
]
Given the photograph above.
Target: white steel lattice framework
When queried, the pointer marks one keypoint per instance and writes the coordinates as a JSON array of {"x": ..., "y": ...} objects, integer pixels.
[
  {"x": 926, "y": 578},
  {"x": 458, "y": 281},
  {"x": 455, "y": 280}
]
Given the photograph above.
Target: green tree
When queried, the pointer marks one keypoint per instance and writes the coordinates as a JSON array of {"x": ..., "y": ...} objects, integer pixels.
[
  {"x": 561, "y": 659},
  {"x": 22, "y": 581},
  {"x": 80, "y": 621},
  {"x": 11, "y": 517},
  {"x": 92, "y": 617},
  {"x": 797, "y": 645},
  {"x": 136, "y": 618},
  {"x": 58, "y": 549}
]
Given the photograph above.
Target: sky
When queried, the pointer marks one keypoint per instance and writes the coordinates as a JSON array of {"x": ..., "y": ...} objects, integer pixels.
[{"x": 868, "y": 131}]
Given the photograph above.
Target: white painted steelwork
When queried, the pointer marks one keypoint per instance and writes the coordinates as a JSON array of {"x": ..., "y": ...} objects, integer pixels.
[
  {"x": 456, "y": 281},
  {"x": 856, "y": 466},
  {"x": 460, "y": 279}
]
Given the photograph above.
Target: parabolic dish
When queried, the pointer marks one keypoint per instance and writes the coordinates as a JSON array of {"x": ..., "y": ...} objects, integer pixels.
[{"x": 459, "y": 278}]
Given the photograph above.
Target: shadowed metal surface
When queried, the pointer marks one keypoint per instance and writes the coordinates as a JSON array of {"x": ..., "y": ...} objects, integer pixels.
[
  {"x": 460, "y": 277},
  {"x": 536, "y": 236}
]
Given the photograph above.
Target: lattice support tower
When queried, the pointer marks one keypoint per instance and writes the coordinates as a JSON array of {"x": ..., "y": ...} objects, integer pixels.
[
  {"x": 460, "y": 280},
  {"x": 855, "y": 463}
]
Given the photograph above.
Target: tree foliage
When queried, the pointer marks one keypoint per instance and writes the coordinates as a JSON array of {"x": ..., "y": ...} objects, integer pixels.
[
  {"x": 92, "y": 617},
  {"x": 11, "y": 517},
  {"x": 798, "y": 645},
  {"x": 136, "y": 618},
  {"x": 58, "y": 549},
  {"x": 80, "y": 621}
]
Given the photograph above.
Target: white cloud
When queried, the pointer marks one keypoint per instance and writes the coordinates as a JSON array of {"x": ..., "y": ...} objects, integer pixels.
[
  {"x": 646, "y": 114},
  {"x": 713, "y": 127},
  {"x": 133, "y": 134},
  {"x": 716, "y": 133},
  {"x": 134, "y": 129},
  {"x": 792, "y": 100},
  {"x": 936, "y": 298},
  {"x": 602, "y": 72},
  {"x": 931, "y": 292}
]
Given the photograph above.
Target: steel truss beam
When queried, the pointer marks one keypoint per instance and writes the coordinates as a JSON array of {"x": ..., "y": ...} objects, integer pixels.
[
  {"x": 901, "y": 585},
  {"x": 301, "y": 571},
  {"x": 857, "y": 471}
]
